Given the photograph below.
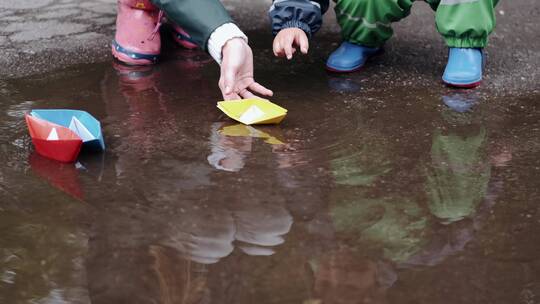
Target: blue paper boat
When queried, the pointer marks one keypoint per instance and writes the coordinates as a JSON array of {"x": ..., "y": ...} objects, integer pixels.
[{"x": 81, "y": 123}]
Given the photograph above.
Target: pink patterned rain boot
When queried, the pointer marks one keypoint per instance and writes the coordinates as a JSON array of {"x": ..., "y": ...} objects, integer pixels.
[
  {"x": 182, "y": 37},
  {"x": 137, "y": 40}
]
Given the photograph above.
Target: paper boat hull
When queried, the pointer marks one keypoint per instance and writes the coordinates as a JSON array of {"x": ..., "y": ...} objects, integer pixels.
[
  {"x": 275, "y": 120},
  {"x": 82, "y": 123},
  {"x": 253, "y": 111},
  {"x": 61, "y": 150},
  {"x": 64, "y": 148}
]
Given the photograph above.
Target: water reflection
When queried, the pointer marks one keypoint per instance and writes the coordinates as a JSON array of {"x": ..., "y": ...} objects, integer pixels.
[
  {"x": 64, "y": 177},
  {"x": 384, "y": 232},
  {"x": 354, "y": 203},
  {"x": 461, "y": 101},
  {"x": 341, "y": 276},
  {"x": 343, "y": 85},
  {"x": 231, "y": 144},
  {"x": 228, "y": 153},
  {"x": 176, "y": 215},
  {"x": 240, "y": 130},
  {"x": 458, "y": 177},
  {"x": 42, "y": 252},
  {"x": 41, "y": 248}
]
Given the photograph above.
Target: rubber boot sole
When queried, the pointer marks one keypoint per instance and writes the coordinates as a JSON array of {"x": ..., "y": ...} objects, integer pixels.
[
  {"x": 463, "y": 85},
  {"x": 125, "y": 59}
]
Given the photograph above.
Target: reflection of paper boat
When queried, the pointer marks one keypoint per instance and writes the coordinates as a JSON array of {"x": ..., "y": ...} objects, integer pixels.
[
  {"x": 60, "y": 134},
  {"x": 248, "y": 131},
  {"x": 62, "y": 176},
  {"x": 253, "y": 111}
]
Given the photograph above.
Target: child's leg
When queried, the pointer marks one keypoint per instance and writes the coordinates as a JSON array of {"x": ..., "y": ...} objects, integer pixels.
[
  {"x": 365, "y": 27},
  {"x": 465, "y": 25},
  {"x": 368, "y": 22}
]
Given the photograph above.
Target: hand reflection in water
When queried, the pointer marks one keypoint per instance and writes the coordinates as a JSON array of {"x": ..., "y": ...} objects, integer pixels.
[
  {"x": 203, "y": 235},
  {"x": 260, "y": 227},
  {"x": 228, "y": 153},
  {"x": 171, "y": 222},
  {"x": 230, "y": 145}
]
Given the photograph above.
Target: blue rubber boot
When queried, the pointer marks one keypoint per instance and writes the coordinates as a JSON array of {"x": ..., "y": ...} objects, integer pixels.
[
  {"x": 349, "y": 57},
  {"x": 464, "y": 68}
]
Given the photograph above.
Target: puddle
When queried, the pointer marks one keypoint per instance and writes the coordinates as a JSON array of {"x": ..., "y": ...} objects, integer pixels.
[{"x": 365, "y": 193}]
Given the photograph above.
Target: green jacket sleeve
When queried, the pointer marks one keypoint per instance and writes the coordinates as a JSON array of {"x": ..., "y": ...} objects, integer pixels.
[{"x": 198, "y": 17}]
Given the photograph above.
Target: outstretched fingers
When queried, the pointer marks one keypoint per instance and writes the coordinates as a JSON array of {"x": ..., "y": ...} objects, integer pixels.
[
  {"x": 303, "y": 42},
  {"x": 289, "y": 47},
  {"x": 245, "y": 93},
  {"x": 259, "y": 89},
  {"x": 232, "y": 96},
  {"x": 276, "y": 47},
  {"x": 227, "y": 81}
]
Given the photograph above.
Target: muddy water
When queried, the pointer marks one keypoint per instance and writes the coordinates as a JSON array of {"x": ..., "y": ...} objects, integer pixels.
[{"x": 368, "y": 192}]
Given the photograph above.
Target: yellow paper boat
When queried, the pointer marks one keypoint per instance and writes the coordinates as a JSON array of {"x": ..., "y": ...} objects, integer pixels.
[
  {"x": 253, "y": 111},
  {"x": 248, "y": 131}
]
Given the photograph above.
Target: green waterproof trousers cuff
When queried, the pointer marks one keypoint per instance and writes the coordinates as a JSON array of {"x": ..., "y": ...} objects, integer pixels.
[{"x": 466, "y": 42}]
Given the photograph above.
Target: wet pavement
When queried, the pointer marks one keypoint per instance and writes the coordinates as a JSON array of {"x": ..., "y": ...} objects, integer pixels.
[{"x": 382, "y": 186}]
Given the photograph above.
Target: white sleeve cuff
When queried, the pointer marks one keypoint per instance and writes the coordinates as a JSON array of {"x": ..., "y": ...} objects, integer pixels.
[{"x": 220, "y": 36}]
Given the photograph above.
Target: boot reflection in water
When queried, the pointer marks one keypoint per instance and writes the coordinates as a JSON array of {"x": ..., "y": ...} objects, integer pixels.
[
  {"x": 461, "y": 102},
  {"x": 135, "y": 79},
  {"x": 459, "y": 173},
  {"x": 148, "y": 121}
]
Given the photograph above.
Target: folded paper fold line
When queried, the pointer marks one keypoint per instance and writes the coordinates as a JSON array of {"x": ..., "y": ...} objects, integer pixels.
[
  {"x": 78, "y": 127},
  {"x": 53, "y": 135}
]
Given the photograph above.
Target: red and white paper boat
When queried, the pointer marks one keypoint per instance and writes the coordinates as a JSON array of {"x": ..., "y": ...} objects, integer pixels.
[{"x": 60, "y": 134}]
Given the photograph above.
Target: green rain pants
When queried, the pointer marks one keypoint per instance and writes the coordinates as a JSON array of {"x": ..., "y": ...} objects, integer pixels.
[{"x": 462, "y": 23}]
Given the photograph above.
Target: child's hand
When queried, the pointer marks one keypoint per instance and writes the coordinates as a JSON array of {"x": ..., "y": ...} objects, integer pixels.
[
  {"x": 287, "y": 40},
  {"x": 236, "y": 79}
]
